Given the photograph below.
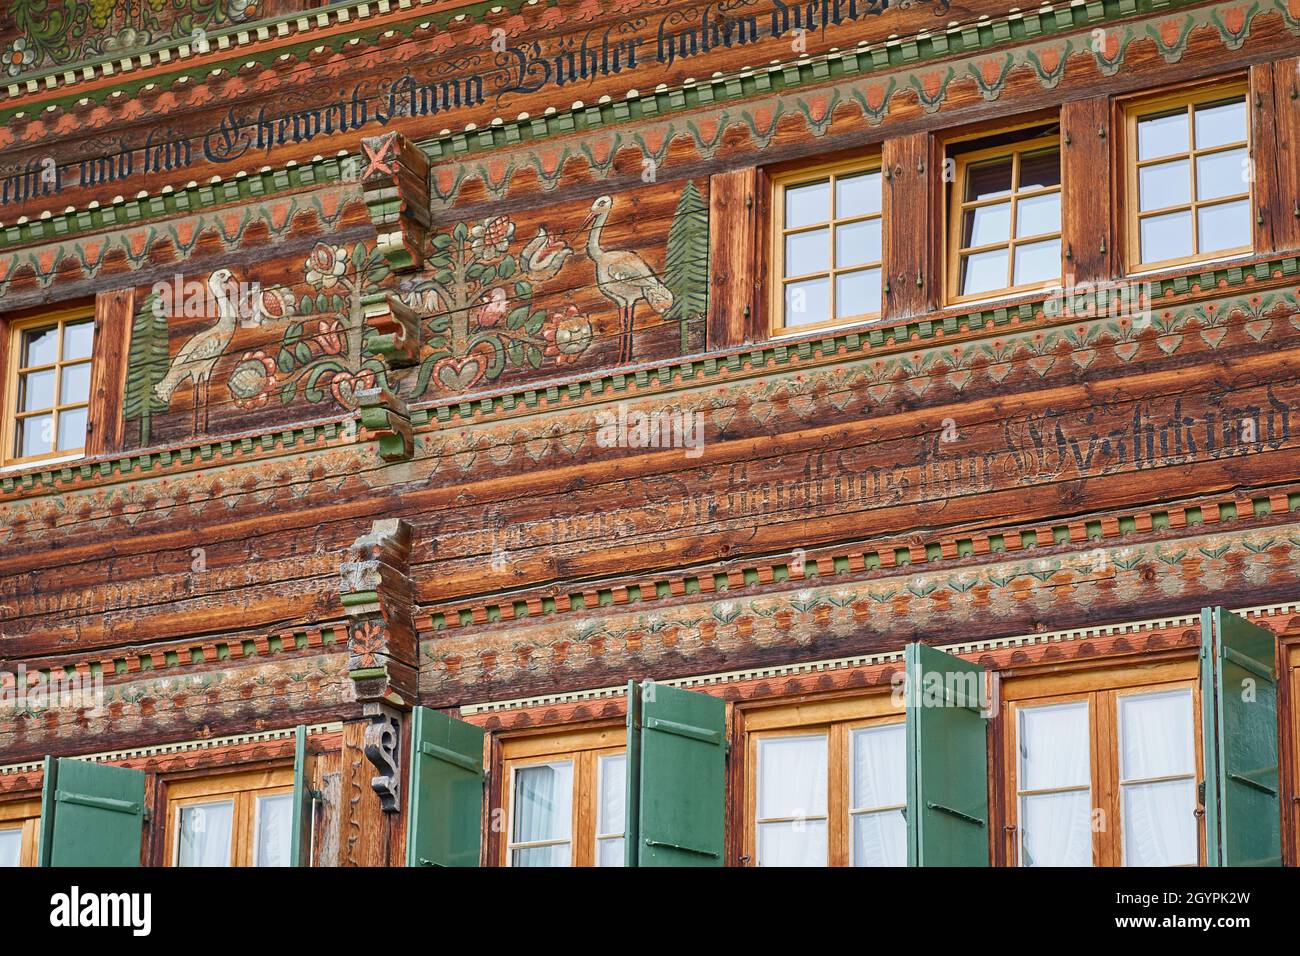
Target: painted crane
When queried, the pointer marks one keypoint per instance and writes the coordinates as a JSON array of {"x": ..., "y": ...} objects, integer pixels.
[
  {"x": 623, "y": 277},
  {"x": 199, "y": 356}
]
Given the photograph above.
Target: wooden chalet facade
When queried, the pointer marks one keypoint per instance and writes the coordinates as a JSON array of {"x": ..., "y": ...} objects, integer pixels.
[{"x": 615, "y": 432}]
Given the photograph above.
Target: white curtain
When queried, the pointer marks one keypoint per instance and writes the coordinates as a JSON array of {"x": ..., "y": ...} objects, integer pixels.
[
  {"x": 792, "y": 784},
  {"x": 1156, "y": 741},
  {"x": 11, "y": 847},
  {"x": 1056, "y": 828},
  {"x": 879, "y": 780},
  {"x": 543, "y": 810},
  {"x": 274, "y": 820},
  {"x": 610, "y": 822},
  {"x": 205, "y": 834}
]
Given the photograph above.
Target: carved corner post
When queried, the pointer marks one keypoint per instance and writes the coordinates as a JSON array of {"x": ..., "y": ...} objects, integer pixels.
[{"x": 378, "y": 596}]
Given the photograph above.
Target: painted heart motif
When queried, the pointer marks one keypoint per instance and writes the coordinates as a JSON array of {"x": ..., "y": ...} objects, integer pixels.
[
  {"x": 1169, "y": 343},
  {"x": 1259, "y": 328},
  {"x": 1126, "y": 350},
  {"x": 1041, "y": 363},
  {"x": 999, "y": 370},
  {"x": 458, "y": 375},
  {"x": 959, "y": 379},
  {"x": 344, "y": 386},
  {"x": 1213, "y": 337},
  {"x": 1084, "y": 357}
]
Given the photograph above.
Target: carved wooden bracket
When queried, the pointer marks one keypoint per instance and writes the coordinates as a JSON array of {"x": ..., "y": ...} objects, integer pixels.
[
  {"x": 377, "y": 594},
  {"x": 396, "y": 328},
  {"x": 395, "y": 182},
  {"x": 385, "y": 416},
  {"x": 383, "y": 734}
]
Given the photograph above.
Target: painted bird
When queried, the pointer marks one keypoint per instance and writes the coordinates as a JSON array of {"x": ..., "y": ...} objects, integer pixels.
[
  {"x": 198, "y": 357},
  {"x": 623, "y": 277}
]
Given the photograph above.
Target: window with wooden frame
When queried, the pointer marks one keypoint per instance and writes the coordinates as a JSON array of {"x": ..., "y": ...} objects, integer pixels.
[
  {"x": 1004, "y": 215},
  {"x": 827, "y": 241},
  {"x": 564, "y": 796},
  {"x": 235, "y": 819},
  {"x": 20, "y": 826},
  {"x": 1103, "y": 767},
  {"x": 826, "y": 784},
  {"x": 1189, "y": 177},
  {"x": 47, "y": 395}
]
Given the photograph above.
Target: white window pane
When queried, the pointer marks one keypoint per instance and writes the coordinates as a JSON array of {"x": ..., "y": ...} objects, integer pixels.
[
  {"x": 77, "y": 338},
  {"x": 75, "y": 384},
  {"x": 857, "y": 195},
  {"x": 1164, "y": 185},
  {"x": 40, "y": 347},
  {"x": 807, "y": 204},
  {"x": 1160, "y": 824},
  {"x": 1056, "y": 829},
  {"x": 1167, "y": 237},
  {"x": 609, "y": 852},
  {"x": 274, "y": 823},
  {"x": 984, "y": 271},
  {"x": 857, "y": 293},
  {"x": 613, "y": 794},
  {"x": 1218, "y": 124},
  {"x": 1222, "y": 174},
  {"x": 1038, "y": 215},
  {"x": 11, "y": 847},
  {"x": 880, "y": 839},
  {"x": 808, "y": 252},
  {"x": 792, "y": 776},
  {"x": 987, "y": 224},
  {"x": 1156, "y": 735},
  {"x": 857, "y": 243},
  {"x": 543, "y": 807},
  {"x": 557, "y": 855},
  {"x": 1054, "y": 749},
  {"x": 35, "y": 435},
  {"x": 1038, "y": 261},
  {"x": 72, "y": 429},
  {"x": 807, "y": 302},
  {"x": 205, "y": 834},
  {"x": 1163, "y": 135},
  {"x": 792, "y": 844},
  {"x": 36, "y": 391},
  {"x": 1225, "y": 226},
  {"x": 879, "y": 767}
]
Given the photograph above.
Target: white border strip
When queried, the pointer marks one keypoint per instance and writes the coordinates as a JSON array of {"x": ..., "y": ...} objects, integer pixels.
[
  {"x": 787, "y": 670},
  {"x": 182, "y": 746}
]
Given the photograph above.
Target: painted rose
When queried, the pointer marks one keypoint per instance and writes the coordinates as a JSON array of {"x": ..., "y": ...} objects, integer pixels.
[
  {"x": 330, "y": 336},
  {"x": 490, "y": 239},
  {"x": 326, "y": 265},
  {"x": 567, "y": 334},
  {"x": 253, "y": 380},
  {"x": 270, "y": 305},
  {"x": 494, "y": 309}
]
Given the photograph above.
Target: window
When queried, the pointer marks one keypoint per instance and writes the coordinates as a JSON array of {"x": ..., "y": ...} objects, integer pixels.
[
  {"x": 1004, "y": 217},
  {"x": 240, "y": 819},
  {"x": 1104, "y": 768},
  {"x": 826, "y": 784},
  {"x": 20, "y": 823},
  {"x": 827, "y": 246},
  {"x": 565, "y": 795},
  {"x": 1189, "y": 178},
  {"x": 47, "y": 402}
]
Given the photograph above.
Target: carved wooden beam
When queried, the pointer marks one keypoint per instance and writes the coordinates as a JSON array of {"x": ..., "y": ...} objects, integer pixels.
[
  {"x": 395, "y": 181},
  {"x": 385, "y": 416},
  {"x": 377, "y": 594},
  {"x": 396, "y": 327}
]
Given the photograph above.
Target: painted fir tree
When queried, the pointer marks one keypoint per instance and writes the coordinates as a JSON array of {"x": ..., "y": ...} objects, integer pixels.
[
  {"x": 146, "y": 365},
  {"x": 686, "y": 270}
]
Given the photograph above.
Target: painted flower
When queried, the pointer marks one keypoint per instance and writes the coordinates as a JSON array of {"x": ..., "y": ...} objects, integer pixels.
[
  {"x": 567, "y": 335},
  {"x": 490, "y": 239},
  {"x": 330, "y": 336},
  {"x": 253, "y": 380},
  {"x": 494, "y": 309},
  {"x": 543, "y": 254},
  {"x": 326, "y": 264},
  {"x": 269, "y": 305},
  {"x": 17, "y": 57}
]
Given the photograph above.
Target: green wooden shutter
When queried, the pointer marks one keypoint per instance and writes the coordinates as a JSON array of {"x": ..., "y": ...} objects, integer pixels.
[
  {"x": 304, "y": 798},
  {"x": 677, "y": 777},
  {"x": 947, "y": 760},
  {"x": 1243, "y": 810},
  {"x": 445, "y": 818},
  {"x": 91, "y": 814}
]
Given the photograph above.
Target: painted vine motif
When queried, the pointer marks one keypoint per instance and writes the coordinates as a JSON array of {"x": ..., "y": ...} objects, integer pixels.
[{"x": 54, "y": 32}]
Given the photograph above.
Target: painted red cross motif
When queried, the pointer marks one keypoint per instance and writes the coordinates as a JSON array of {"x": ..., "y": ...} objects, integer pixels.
[{"x": 376, "y": 162}]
